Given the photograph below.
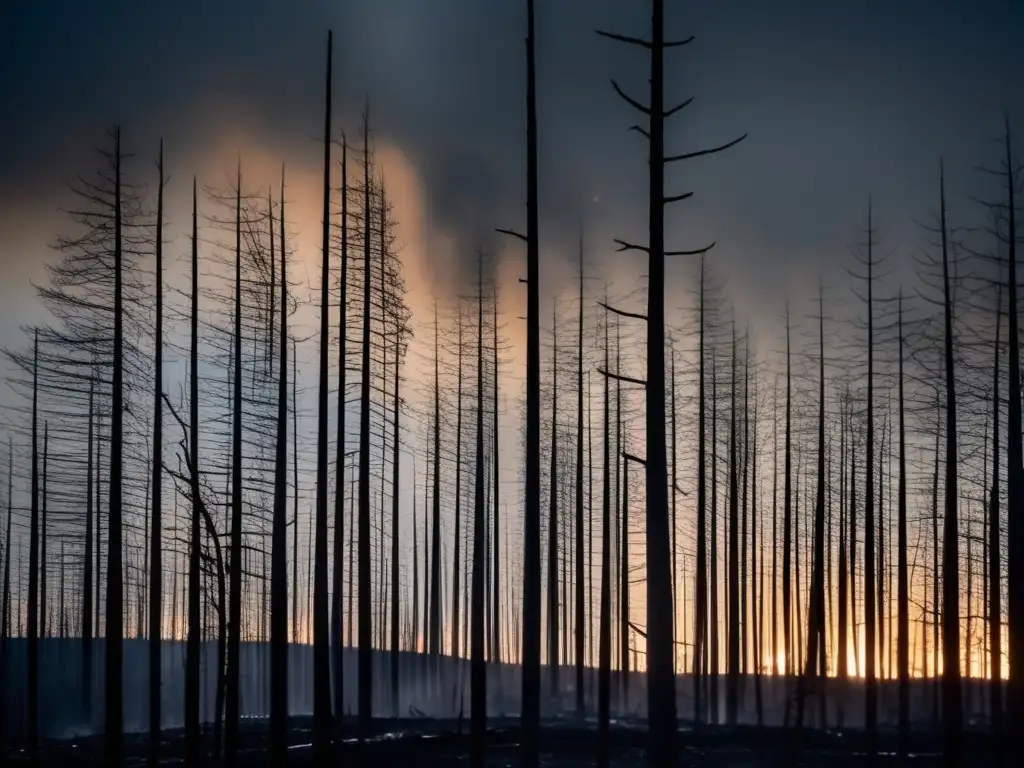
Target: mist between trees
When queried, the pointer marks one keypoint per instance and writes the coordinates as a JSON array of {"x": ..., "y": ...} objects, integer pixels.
[{"x": 673, "y": 515}]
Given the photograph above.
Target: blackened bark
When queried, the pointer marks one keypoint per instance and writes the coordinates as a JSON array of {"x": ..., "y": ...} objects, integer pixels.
[
  {"x": 235, "y": 574},
  {"x": 951, "y": 686},
  {"x": 530, "y": 707},
  {"x": 580, "y": 627},
  {"x": 337, "y": 667},
  {"x": 733, "y": 663},
  {"x": 604, "y": 679},
  {"x": 87, "y": 565},
  {"x": 1014, "y": 461},
  {"x": 552, "y": 584},
  {"x": 456, "y": 533},
  {"x": 478, "y": 670},
  {"x": 33, "y": 571},
  {"x": 114, "y": 698},
  {"x": 156, "y": 502},
  {"x": 279, "y": 532},
  {"x": 395, "y": 510},
  {"x": 995, "y": 607},
  {"x": 193, "y": 746},
  {"x": 496, "y": 653},
  {"x": 903, "y": 586},
  {"x": 700, "y": 596},
  {"x": 321, "y": 624}
]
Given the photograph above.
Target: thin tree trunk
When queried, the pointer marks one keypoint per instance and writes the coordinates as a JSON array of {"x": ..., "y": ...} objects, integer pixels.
[
  {"x": 903, "y": 598},
  {"x": 787, "y": 518},
  {"x": 1015, "y": 463},
  {"x": 496, "y": 652},
  {"x": 192, "y": 734},
  {"x": 870, "y": 681},
  {"x": 605, "y": 642},
  {"x": 994, "y": 602},
  {"x": 530, "y": 701},
  {"x": 279, "y": 542},
  {"x": 338, "y": 666},
  {"x": 951, "y": 686},
  {"x": 395, "y": 510},
  {"x": 580, "y": 627},
  {"x": 435, "y": 543},
  {"x": 552, "y": 584},
  {"x": 700, "y": 594},
  {"x": 715, "y": 661},
  {"x": 235, "y": 597},
  {"x": 87, "y": 566},
  {"x": 815, "y": 663},
  {"x": 456, "y": 538},
  {"x": 33, "y": 571},
  {"x": 478, "y": 672},
  {"x": 114, "y": 699},
  {"x": 321, "y": 625},
  {"x": 156, "y": 504},
  {"x": 733, "y": 679}
]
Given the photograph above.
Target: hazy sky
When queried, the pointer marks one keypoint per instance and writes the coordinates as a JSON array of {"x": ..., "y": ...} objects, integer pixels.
[{"x": 842, "y": 100}]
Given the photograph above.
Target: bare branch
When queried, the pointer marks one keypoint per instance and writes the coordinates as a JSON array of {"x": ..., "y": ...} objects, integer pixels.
[
  {"x": 703, "y": 152},
  {"x": 624, "y": 246},
  {"x": 641, "y": 42},
  {"x": 677, "y": 107},
  {"x": 630, "y": 100},
  {"x": 624, "y": 379},
  {"x": 625, "y": 39},
  {"x": 678, "y": 43},
  {"x": 695, "y": 252},
  {"x": 621, "y": 312},
  {"x": 513, "y": 233},
  {"x": 677, "y": 198}
]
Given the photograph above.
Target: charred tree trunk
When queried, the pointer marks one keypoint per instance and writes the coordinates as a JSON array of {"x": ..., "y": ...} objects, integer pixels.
[
  {"x": 700, "y": 595},
  {"x": 552, "y": 585},
  {"x": 496, "y": 652},
  {"x": 815, "y": 663},
  {"x": 434, "y": 637},
  {"x": 395, "y": 509},
  {"x": 604, "y": 679},
  {"x": 114, "y": 697},
  {"x": 1015, "y": 464},
  {"x": 903, "y": 586},
  {"x": 193, "y": 746},
  {"x": 279, "y": 532},
  {"x": 235, "y": 576},
  {"x": 338, "y": 667},
  {"x": 33, "y": 571},
  {"x": 156, "y": 504},
  {"x": 456, "y": 534},
  {"x": 530, "y": 706},
  {"x": 951, "y": 685},
  {"x": 87, "y": 565},
  {"x": 478, "y": 672},
  {"x": 321, "y": 625},
  {"x": 365, "y": 692},
  {"x": 995, "y": 607},
  {"x": 713, "y": 618},
  {"x": 870, "y": 680},
  {"x": 733, "y": 670},
  {"x": 580, "y": 627},
  {"x": 787, "y": 516}
]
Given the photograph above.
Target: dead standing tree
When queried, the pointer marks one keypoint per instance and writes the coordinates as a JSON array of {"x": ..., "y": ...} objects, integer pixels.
[
  {"x": 661, "y": 701},
  {"x": 530, "y": 661}
]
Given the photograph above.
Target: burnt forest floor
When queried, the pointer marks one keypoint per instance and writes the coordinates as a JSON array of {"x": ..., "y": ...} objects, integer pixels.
[{"x": 420, "y": 742}]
